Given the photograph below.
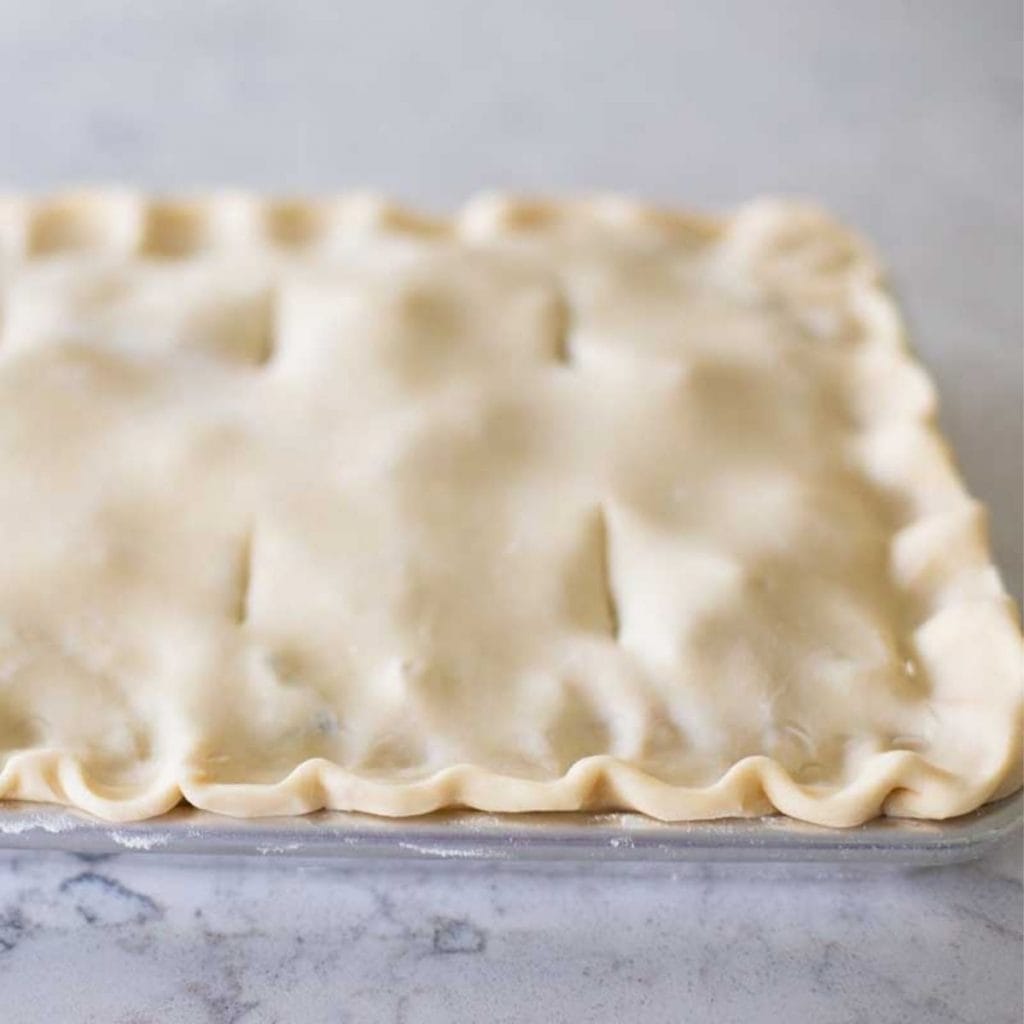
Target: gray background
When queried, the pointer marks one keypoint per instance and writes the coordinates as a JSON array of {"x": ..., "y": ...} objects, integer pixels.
[{"x": 904, "y": 117}]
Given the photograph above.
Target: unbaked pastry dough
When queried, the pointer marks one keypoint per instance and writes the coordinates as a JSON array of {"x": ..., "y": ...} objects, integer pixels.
[{"x": 551, "y": 506}]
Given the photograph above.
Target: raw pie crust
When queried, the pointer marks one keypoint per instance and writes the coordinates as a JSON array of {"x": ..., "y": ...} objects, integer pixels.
[{"x": 550, "y": 506}]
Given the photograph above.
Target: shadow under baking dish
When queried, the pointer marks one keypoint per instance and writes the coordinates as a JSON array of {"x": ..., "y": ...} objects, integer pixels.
[{"x": 472, "y": 836}]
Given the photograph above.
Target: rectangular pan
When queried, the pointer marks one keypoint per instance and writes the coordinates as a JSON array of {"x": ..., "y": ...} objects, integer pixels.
[{"x": 472, "y": 836}]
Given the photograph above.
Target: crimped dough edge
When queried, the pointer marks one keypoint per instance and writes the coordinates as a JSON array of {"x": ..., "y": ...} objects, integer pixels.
[
  {"x": 839, "y": 269},
  {"x": 900, "y": 783}
]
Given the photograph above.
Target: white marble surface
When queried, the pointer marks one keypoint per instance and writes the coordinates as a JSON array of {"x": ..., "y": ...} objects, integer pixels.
[
  {"x": 903, "y": 116},
  {"x": 134, "y": 939}
]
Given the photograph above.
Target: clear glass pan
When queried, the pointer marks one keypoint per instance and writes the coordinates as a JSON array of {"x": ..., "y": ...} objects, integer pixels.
[{"x": 467, "y": 836}]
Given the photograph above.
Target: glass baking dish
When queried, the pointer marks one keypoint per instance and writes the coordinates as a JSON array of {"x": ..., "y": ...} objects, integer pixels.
[{"x": 468, "y": 836}]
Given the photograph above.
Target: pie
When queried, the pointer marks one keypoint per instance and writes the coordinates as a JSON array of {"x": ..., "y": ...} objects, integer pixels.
[{"x": 566, "y": 505}]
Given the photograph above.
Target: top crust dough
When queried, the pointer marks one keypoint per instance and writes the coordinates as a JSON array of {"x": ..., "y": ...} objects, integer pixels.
[{"x": 549, "y": 506}]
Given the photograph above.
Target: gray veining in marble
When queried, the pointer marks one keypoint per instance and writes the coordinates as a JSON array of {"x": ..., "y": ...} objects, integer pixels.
[
  {"x": 903, "y": 115},
  {"x": 130, "y": 938}
]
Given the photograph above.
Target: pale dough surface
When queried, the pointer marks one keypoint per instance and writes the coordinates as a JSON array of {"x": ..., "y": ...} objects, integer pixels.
[{"x": 549, "y": 506}]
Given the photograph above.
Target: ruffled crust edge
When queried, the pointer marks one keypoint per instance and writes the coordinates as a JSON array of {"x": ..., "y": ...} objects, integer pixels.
[
  {"x": 896, "y": 782},
  {"x": 807, "y": 260}
]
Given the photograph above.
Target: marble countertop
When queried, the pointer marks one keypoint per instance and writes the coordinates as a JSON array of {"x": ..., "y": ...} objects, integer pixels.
[
  {"x": 903, "y": 117},
  {"x": 136, "y": 938}
]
